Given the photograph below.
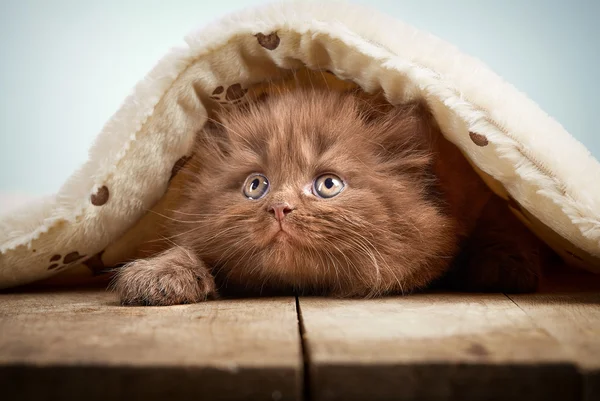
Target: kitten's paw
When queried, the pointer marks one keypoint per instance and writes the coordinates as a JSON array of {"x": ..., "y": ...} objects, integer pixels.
[{"x": 173, "y": 277}]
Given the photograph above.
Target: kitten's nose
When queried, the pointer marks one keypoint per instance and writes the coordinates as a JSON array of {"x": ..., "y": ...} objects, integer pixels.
[{"x": 280, "y": 210}]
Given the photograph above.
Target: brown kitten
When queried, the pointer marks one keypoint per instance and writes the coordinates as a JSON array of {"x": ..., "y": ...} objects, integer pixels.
[{"x": 325, "y": 193}]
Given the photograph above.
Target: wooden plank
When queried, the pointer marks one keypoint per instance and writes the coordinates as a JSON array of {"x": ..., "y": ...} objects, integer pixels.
[
  {"x": 81, "y": 345},
  {"x": 570, "y": 312},
  {"x": 432, "y": 347}
]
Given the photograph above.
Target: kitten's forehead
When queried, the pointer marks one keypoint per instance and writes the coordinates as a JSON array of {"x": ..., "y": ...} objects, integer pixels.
[{"x": 297, "y": 133}]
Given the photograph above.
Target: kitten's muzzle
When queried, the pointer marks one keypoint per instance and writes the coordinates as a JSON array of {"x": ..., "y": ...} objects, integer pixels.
[{"x": 280, "y": 210}]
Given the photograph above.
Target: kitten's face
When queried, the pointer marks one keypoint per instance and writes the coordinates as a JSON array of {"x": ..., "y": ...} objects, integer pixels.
[{"x": 302, "y": 192}]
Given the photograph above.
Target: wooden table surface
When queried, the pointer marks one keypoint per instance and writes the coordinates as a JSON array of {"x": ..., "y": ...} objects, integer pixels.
[{"x": 79, "y": 344}]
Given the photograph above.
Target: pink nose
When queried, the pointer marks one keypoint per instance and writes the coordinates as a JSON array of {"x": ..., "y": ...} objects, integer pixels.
[{"x": 280, "y": 210}]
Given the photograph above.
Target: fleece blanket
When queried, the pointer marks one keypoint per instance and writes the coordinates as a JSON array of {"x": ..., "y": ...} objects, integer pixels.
[{"x": 108, "y": 211}]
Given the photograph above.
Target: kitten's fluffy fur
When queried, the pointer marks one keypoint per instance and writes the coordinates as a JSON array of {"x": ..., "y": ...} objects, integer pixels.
[{"x": 410, "y": 205}]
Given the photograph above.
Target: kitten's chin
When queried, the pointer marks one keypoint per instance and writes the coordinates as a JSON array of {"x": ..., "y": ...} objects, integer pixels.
[
  {"x": 282, "y": 235},
  {"x": 282, "y": 240}
]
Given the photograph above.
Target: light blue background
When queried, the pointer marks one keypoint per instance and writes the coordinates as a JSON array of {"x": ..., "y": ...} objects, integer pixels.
[{"x": 67, "y": 65}]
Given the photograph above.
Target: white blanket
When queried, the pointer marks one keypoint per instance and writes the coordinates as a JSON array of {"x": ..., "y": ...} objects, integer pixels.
[{"x": 100, "y": 216}]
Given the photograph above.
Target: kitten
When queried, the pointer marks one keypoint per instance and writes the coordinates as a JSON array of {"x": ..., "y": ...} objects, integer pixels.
[{"x": 327, "y": 193}]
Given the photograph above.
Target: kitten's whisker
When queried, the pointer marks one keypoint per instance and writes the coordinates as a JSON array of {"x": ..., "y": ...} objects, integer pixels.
[
  {"x": 350, "y": 263},
  {"x": 191, "y": 221},
  {"x": 320, "y": 68},
  {"x": 177, "y": 235},
  {"x": 241, "y": 258},
  {"x": 218, "y": 235},
  {"x": 167, "y": 217},
  {"x": 229, "y": 129},
  {"x": 335, "y": 267},
  {"x": 345, "y": 257},
  {"x": 233, "y": 247},
  {"x": 206, "y": 214},
  {"x": 185, "y": 250},
  {"x": 367, "y": 249}
]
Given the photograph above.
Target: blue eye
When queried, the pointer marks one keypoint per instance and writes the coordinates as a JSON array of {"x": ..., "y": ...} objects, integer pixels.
[
  {"x": 328, "y": 185},
  {"x": 256, "y": 186}
]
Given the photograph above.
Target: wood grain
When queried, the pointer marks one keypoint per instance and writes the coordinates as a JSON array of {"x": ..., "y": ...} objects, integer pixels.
[
  {"x": 433, "y": 347},
  {"x": 73, "y": 345},
  {"x": 81, "y": 345},
  {"x": 573, "y": 319}
]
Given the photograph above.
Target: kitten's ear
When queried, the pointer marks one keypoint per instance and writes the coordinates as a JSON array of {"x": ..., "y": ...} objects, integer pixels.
[
  {"x": 406, "y": 135},
  {"x": 372, "y": 107},
  {"x": 402, "y": 119},
  {"x": 213, "y": 138}
]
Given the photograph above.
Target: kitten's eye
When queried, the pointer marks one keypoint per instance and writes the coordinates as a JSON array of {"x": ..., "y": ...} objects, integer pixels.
[
  {"x": 328, "y": 185},
  {"x": 256, "y": 186}
]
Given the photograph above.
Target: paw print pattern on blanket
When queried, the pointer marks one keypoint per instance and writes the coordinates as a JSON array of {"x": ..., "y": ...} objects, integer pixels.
[
  {"x": 96, "y": 264},
  {"x": 478, "y": 139},
  {"x": 68, "y": 260},
  {"x": 234, "y": 94},
  {"x": 100, "y": 197},
  {"x": 269, "y": 42}
]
